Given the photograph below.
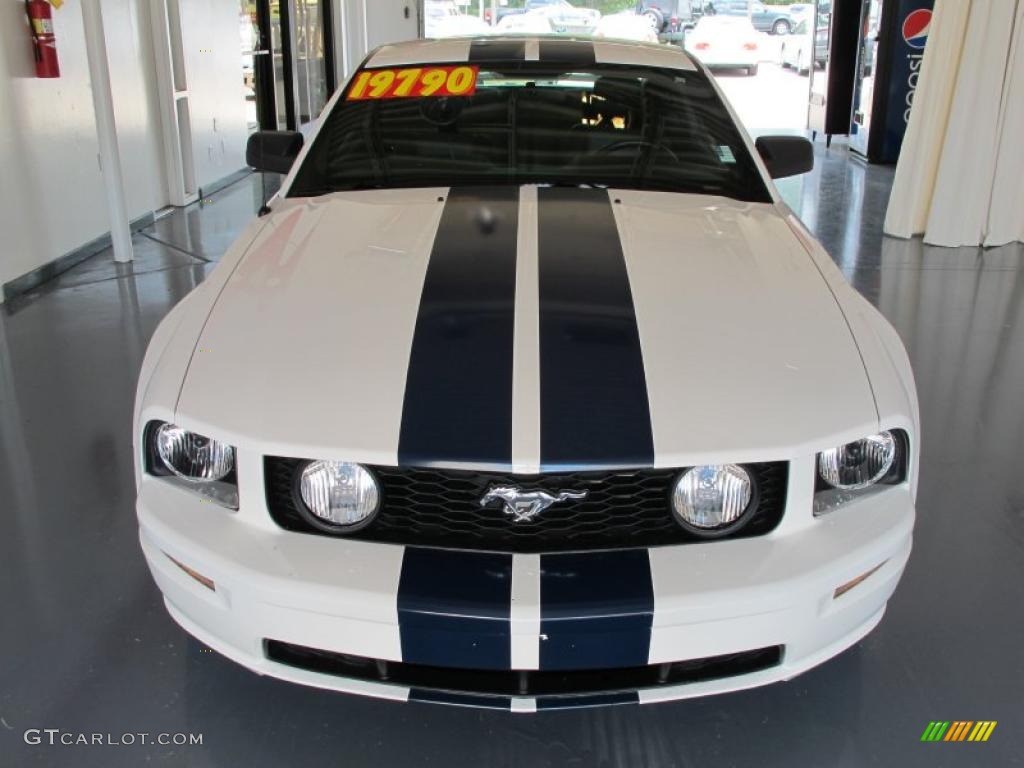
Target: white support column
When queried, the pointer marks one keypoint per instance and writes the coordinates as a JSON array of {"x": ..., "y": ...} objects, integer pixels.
[
  {"x": 103, "y": 105},
  {"x": 340, "y": 25}
]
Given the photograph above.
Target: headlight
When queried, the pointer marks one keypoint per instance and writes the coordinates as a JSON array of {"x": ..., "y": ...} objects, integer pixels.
[
  {"x": 340, "y": 497},
  {"x": 849, "y": 472},
  {"x": 858, "y": 464},
  {"x": 192, "y": 461},
  {"x": 711, "y": 500},
  {"x": 193, "y": 457}
]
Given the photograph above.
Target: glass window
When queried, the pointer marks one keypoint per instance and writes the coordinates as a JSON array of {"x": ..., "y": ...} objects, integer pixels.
[{"x": 609, "y": 126}]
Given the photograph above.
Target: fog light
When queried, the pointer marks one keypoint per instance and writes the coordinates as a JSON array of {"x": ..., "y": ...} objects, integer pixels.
[
  {"x": 206, "y": 582},
  {"x": 842, "y": 589},
  {"x": 711, "y": 499},
  {"x": 339, "y": 496}
]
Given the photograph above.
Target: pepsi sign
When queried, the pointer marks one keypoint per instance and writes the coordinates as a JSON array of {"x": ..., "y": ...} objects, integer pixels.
[{"x": 915, "y": 28}]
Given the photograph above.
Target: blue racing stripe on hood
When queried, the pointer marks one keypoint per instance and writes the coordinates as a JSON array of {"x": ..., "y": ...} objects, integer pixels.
[
  {"x": 594, "y": 405},
  {"x": 458, "y": 390}
]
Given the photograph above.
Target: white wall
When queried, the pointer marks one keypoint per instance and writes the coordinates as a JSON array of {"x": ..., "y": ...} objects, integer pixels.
[
  {"x": 367, "y": 24},
  {"x": 212, "y": 49},
  {"x": 51, "y": 189}
]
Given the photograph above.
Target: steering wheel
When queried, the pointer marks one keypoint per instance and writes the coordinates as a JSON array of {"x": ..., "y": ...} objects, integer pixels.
[
  {"x": 615, "y": 146},
  {"x": 441, "y": 111}
]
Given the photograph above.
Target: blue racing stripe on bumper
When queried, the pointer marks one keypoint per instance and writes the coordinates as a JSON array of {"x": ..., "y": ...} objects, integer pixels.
[
  {"x": 454, "y": 608},
  {"x": 460, "y": 699},
  {"x": 587, "y": 700},
  {"x": 596, "y": 610}
]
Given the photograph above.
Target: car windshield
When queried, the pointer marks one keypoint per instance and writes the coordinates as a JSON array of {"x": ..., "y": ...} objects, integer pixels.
[{"x": 607, "y": 126}]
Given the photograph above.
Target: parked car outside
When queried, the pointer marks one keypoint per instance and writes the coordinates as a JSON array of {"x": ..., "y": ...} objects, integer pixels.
[
  {"x": 626, "y": 26},
  {"x": 567, "y": 19},
  {"x": 530, "y": 5},
  {"x": 725, "y": 42},
  {"x": 795, "y": 51},
  {"x": 443, "y": 19},
  {"x": 532, "y": 23},
  {"x": 800, "y": 11},
  {"x": 669, "y": 17},
  {"x": 772, "y": 19}
]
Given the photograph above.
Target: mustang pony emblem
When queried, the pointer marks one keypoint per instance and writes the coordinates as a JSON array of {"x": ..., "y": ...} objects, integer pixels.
[{"x": 526, "y": 505}]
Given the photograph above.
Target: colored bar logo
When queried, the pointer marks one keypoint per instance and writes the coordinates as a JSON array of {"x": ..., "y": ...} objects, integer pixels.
[{"x": 958, "y": 730}]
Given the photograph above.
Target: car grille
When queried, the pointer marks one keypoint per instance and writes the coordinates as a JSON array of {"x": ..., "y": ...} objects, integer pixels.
[{"x": 441, "y": 508}]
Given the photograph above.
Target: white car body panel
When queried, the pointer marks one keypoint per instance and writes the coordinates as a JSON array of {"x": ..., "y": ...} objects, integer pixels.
[
  {"x": 697, "y": 261},
  {"x": 457, "y": 49},
  {"x": 298, "y": 344},
  {"x": 325, "y": 264},
  {"x": 299, "y": 309},
  {"x": 340, "y": 596}
]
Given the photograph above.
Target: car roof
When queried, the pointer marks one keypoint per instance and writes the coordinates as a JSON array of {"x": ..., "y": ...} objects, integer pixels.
[{"x": 511, "y": 48}]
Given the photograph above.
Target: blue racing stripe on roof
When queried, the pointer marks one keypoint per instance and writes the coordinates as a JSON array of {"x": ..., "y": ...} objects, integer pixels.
[
  {"x": 496, "y": 50},
  {"x": 578, "y": 53}
]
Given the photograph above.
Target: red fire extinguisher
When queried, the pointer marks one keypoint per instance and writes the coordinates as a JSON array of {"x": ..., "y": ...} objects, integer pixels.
[{"x": 43, "y": 39}]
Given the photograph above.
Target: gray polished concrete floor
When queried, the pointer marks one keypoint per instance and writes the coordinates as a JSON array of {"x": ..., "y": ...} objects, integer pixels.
[{"x": 86, "y": 646}]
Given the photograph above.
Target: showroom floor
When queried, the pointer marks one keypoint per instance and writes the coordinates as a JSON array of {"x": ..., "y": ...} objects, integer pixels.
[{"x": 88, "y": 647}]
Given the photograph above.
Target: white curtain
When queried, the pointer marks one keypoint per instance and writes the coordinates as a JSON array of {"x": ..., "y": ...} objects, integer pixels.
[{"x": 960, "y": 176}]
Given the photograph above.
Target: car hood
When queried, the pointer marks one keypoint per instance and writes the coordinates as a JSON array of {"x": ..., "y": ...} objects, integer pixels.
[{"x": 635, "y": 328}]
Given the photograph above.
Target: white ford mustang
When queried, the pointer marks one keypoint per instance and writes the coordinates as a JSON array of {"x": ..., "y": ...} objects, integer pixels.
[{"x": 527, "y": 391}]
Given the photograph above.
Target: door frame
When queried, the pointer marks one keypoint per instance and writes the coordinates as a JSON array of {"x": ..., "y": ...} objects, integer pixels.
[{"x": 266, "y": 93}]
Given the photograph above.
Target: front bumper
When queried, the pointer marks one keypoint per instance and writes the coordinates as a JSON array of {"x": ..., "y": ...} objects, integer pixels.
[
  {"x": 729, "y": 60},
  {"x": 709, "y": 599}
]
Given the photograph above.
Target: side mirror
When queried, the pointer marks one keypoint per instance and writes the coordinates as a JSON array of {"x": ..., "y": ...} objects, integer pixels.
[
  {"x": 785, "y": 155},
  {"x": 273, "y": 151}
]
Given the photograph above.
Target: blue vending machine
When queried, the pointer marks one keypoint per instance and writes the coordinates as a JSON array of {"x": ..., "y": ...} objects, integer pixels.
[{"x": 893, "y": 34}]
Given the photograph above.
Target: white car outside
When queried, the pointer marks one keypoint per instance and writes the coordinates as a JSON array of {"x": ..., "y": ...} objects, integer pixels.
[
  {"x": 501, "y": 398},
  {"x": 567, "y": 19},
  {"x": 626, "y": 26},
  {"x": 530, "y": 23},
  {"x": 796, "y": 50},
  {"x": 442, "y": 19},
  {"x": 800, "y": 11},
  {"x": 725, "y": 42}
]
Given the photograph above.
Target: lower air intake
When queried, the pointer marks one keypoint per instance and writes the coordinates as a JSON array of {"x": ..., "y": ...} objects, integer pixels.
[{"x": 523, "y": 682}]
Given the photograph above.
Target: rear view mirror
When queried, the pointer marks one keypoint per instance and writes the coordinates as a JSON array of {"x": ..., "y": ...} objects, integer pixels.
[
  {"x": 273, "y": 151},
  {"x": 785, "y": 155}
]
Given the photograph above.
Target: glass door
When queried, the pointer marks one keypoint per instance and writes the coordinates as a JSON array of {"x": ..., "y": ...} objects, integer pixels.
[
  {"x": 313, "y": 69},
  {"x": 292, "y": 60},
  {"x": 249, "y": 31}
]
